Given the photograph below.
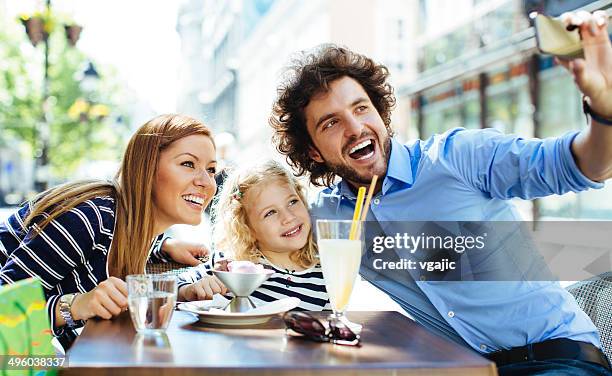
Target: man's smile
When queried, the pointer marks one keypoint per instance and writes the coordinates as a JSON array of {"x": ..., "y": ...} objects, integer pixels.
[{"x": 363, "y": 150}]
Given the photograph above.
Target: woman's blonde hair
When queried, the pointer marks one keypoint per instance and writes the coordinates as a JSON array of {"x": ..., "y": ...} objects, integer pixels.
[
  {"x": 232, "y": 230},
  {"x": 132, "y": 190}
]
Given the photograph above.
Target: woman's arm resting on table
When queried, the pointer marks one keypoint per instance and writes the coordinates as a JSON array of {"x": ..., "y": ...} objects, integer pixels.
[{"x": 107, "y": 300}]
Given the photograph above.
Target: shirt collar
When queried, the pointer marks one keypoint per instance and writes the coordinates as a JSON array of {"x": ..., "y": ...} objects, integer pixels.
[
  {"x": 400, "y": 163},
  {"x": 399, "y": 168}
]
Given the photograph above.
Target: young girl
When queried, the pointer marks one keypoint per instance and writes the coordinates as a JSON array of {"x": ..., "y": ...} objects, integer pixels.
[{"x": 262, "y": 217}]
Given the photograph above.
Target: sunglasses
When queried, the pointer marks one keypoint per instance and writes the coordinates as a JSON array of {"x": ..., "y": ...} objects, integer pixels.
[{"x": 312, "y": 328}]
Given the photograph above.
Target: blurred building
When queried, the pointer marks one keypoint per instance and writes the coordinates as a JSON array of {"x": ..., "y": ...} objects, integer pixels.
[
  {"x": 211, "y": 33},
  {"x": 377, "y": 28},
  {"x": 245, "y": 44},
  {"x": 478, "y": 67},
  {"x": 192, "y": 71},
  {"x": 469, "y": 63}
]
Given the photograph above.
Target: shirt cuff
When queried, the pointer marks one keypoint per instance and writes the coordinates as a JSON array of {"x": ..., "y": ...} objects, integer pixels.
[
  {"x": 194, "y": 274},
  {"x": 570, "y": 166},
  {"x": 182, "y": 283},
  {"x": 157, "y": 255},
  {"x": 51, "y": 303}
]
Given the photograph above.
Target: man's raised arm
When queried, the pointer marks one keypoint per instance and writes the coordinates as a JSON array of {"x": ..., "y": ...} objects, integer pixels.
[{"x": 592, "y": 148}]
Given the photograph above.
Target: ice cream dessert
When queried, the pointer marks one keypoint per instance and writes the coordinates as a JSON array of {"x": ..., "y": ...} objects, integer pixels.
[
  {"x": 246, "y": 267},
  {"x": 242, "y": 278}
]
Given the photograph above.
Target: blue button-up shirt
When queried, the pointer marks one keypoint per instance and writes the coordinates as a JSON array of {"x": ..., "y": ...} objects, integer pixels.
[{"x": 469, "y": 175}]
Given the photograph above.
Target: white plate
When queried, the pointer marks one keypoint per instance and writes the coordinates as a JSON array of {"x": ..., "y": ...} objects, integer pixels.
[{"x": 207, "y": 312}]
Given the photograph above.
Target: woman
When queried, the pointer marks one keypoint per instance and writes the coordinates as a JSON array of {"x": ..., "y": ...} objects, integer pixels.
[{"x": 81, "y": 239}]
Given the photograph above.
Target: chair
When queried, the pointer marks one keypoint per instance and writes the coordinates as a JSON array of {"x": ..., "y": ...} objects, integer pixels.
[{"x": 594, "y": 296}]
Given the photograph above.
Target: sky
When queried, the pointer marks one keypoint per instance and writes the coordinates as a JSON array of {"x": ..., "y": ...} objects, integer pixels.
[{"x": 137, "y": 37}]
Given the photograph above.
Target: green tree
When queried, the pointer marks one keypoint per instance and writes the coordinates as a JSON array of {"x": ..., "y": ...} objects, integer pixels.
[{"x": 74, "y": 136}]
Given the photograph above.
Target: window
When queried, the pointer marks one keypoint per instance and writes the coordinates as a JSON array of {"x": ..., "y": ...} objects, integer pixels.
[
  {"x": 561, "y": 112},
  {"x": 449, "y": 106}
]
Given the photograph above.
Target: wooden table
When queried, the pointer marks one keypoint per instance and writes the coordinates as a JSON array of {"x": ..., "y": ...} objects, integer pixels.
[{"x": 391, "y": 345}]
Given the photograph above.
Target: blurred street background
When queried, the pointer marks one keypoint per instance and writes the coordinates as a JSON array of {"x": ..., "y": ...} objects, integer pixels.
[{"x": 77, "y": 77}]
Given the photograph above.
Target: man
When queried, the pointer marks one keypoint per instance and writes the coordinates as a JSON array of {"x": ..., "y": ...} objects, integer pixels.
[{"x": 332, "y": 120}]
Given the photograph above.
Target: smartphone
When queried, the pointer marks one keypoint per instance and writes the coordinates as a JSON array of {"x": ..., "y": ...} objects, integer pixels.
[{"x": 553, "y": 38}]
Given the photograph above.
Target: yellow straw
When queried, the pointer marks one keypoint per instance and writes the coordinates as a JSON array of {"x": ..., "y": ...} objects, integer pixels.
[
  {"x": 357, "y": 213},
  {"x": 366, "y": 207}
]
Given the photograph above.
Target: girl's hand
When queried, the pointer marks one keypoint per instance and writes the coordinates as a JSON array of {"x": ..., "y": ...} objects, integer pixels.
[
  {"x": 221, "y": 265},
  {"x": 203, "y": 289},
  {"x": 107, "y": 300},
  {"x": 184, "y": 252}
]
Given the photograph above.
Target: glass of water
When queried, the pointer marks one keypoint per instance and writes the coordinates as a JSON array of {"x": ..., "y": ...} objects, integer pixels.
[{"x": 151, "y": 299}]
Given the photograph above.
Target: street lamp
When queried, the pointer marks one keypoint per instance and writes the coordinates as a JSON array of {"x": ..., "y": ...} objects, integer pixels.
[
  {"x": 86, "y": 108},
  {"x": 37, "y": 27},
  {"x": 88, "y": 78}
]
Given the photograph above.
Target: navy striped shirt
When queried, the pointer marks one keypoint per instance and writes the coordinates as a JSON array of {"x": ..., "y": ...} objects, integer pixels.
[
  {"x": 69, "y": 256},
  {"x": 308, "y": 285}
]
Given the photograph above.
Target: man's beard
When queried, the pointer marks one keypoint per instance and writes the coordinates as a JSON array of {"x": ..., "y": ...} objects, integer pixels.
[{"x": 347, "y": 173}]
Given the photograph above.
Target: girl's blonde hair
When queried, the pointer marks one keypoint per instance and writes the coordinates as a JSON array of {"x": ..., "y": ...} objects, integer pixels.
[
  {"x": 132, "y": 190},
  {"x": 232, "y": 230}
]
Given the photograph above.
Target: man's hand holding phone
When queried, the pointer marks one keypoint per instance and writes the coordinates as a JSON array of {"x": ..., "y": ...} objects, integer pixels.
[
  {"x": 555, "y": 38},
  {"x": 581, "y": 43}
]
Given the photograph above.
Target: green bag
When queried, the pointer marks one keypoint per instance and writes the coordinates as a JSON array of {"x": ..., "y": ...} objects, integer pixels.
[{"x": 25, "y": 330}]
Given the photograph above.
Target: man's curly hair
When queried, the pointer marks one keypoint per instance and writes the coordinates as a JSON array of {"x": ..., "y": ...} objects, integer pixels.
[{"x": 308, "y": 75}]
